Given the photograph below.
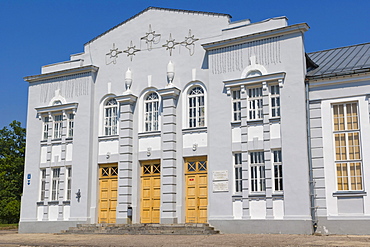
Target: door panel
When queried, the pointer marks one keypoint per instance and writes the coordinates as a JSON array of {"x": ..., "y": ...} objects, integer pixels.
[{"x": 108, "y": 194}]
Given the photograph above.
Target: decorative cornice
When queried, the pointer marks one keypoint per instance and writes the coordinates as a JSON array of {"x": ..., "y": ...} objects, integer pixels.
[
  {"x": 171, "y": 92},
  {"x": 79, "y": 70},
  {"x": 54, "y": 108},
  {"x": 303, "y": 27},
  {"x": 256, "y": 79},
  {"x": 327, "y": 81},
  {"x": 126, "y": 99}
]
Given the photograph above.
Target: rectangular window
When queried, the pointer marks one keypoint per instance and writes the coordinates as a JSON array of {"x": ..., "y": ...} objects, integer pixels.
[
  {"x": 43, "y": 184},
  {"x": 255, "y": 103},
  {"x": 58, "y": 126},
  {"x": 238, "y": 172},
  {"x": 347, "y": 146},
  {"x": 258, "y": 179},
  {"x": 69, "y": 180},
  {"x": 278, "y": 170},
  {"x": 46, "y": 128},
  {"x": 71, "y": 123},
  {"x": 236, "y": 105},
  {"x": 275, "y": 100},
  {"x": 55, "y": 184}
]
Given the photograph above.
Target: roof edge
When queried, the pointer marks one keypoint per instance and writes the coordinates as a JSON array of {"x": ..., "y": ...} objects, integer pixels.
[{"x": 156, "y": 8}]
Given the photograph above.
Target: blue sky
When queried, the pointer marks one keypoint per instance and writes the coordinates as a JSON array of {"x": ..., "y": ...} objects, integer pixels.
[{"x": 36, "y": 33}]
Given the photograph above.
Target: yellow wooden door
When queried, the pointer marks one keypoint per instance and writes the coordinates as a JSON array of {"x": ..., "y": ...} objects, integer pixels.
[
  {"x": 150, "y": 192},
  {"x": 196, "y": 190},
  {"x": 108, "y": 184}
]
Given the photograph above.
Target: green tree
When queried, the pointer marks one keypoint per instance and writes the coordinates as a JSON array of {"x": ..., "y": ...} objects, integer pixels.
[{"x": 12, "y": 152}]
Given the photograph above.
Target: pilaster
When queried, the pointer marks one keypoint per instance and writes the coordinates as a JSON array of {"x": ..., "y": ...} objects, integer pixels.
[
  {"x": 168, "y": 165},
  {"x": 124, "y": 197}
]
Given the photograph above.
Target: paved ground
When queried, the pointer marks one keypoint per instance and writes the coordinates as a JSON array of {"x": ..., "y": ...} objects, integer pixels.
[{"x": 10, "y": 238}]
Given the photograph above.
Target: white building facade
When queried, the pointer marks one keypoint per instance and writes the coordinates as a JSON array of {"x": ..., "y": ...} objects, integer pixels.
[{"x": 180, "y": 116}]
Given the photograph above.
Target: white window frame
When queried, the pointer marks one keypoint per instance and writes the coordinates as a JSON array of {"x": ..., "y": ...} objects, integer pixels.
[
  {"x": 257, "y": 173},
  {"x": 45, "y": 128},
  {"x": 347, "y": 161},
  {"x": 275, "y": 101},
  {"x": 55, "y": 182},
  {"x": 151, "y": 112},
  {"x": 278, "y": 170},
  {"x": 255, "y": 103},
  {"x": 196, "y": 107},
  {"x": 68, "y": 183},
  {"x": 238, "y": 177},
  {"x": 58, "y": 126},
  {"x": 110, "y": 114},
  {"x": 236, "y": 105},
  {"x": 42, "y": 184},
  {"x": 71, "y": 123}
]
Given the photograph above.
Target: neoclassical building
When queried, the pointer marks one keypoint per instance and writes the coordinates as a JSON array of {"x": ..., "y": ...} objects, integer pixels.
[{"x": 178, "y": 116}]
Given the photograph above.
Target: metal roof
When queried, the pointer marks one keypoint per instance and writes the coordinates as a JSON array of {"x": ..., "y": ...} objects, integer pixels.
[
  {"x": 158, "y": 8},
  {"x": 340, "y": 61}
]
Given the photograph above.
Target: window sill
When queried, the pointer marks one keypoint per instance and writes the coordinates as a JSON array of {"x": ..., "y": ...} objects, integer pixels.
[
  {"x": 236, "y": 123},
  {"x": 349, "y": 193},
  {"x": 195, "y": 130},
  {"x": 257, "y": 195},
  {"x": 57, "y": 140},
  {"x": 255, "y": 122},
  {"x": 103, "y": 138},
  {"x": 274, "y": 119},
  {"x": 237, "y": 196},
  {"x": 66, "y": 202},
  {"x": 53, "y": 202},
  {"x": 149, "y": 134},
  {"x": 41, "y": 203}
]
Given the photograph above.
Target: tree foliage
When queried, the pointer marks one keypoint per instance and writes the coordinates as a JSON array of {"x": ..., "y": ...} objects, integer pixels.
[{"x": 12, "y": 153}]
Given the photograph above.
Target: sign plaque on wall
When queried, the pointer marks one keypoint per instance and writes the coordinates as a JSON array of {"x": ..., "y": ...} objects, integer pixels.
[
  {"x": 222, "y": 186},
  {"x": 220, "y": 175}
]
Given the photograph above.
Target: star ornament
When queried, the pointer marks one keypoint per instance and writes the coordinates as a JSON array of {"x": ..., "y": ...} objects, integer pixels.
[
  {"x": 189, "y": 43},
  {"x": 113, "y": 54},
  {"x": 170, "y": 44},
  {"x": 131, "y": 50},
  {"x": 151, "y": 38}
]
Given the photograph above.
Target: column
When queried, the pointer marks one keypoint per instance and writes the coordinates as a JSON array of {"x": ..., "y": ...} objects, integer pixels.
[
  {"x": 124, "y": 197},
  {"x": 168, "y": 165}
]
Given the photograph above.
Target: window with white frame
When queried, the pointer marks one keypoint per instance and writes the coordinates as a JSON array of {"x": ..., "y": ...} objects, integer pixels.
[
  {"x": 258, "y": 179},
  {"x": 275, "y": 100},
  {"x": 151, "y": 108},
  {"x": 58, "y": 126},
  {"x": 43, "y": 184},
  {"x": 255, "y": 103},
  {"x": 236, "y": 105},
  {"x": 196, "y": 107},
  {"x": 55, "y": 184},
  {"x": 238, "y": 172},
  {"x": 71, "y": 123},
  {"x": 111, "y": 117},
  {"x": 278, "y": 170},
  {"x": 348, "y": 160},
  {"x": 45, "y": 132},
  {"x": 68, "y": 183}
]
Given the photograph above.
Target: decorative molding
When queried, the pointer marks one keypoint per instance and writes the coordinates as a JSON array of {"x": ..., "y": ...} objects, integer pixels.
[
  {"x": 170, "y": 92},
  {"x": 131, "y": 50},
  {"x": 170, "y": 44},
  {"x": 151, "y": 38},
  {"x": 253, "y": 80},
  {"x": 189, "y": 43},
  {"x": 126, "y": 99},
  {"x": 112, "y": 55},
  {"x": 54, "y": 108}
]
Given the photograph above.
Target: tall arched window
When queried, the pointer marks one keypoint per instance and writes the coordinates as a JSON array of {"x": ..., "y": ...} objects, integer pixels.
[
  {"x": 110, "y": 117},
  {"x": 196, "y": 107},
  {"x": 151, "y": 108}
]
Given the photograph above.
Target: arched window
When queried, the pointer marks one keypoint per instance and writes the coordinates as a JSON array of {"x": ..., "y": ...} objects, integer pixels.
[
  {"x": 196, "y": 107},
  {"x": 151, "y": 111},
  {"x": 110, "y": 117}
]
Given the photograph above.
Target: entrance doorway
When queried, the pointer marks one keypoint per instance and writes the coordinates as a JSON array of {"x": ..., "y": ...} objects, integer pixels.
[
  {"x": 196, "y": 190},
  {"x": 108, "y": 193},
  {"x": 150, "y": 191}
]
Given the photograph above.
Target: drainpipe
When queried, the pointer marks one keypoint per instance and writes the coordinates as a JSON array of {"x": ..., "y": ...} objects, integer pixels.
[{"x": 310, "y": 172}]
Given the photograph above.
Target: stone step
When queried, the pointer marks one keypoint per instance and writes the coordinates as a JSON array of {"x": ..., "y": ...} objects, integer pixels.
[{"x": 143, "y": 229}]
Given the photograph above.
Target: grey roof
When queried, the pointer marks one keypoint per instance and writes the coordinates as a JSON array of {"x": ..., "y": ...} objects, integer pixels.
[
  {"x": 158, "y": 8},
  {"x": 340, "y": 61}
]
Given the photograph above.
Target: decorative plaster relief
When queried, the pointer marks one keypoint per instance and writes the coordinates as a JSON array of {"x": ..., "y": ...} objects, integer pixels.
[
  {"x": 151, "y": 38},
  {"x": 170, "y": 44},
  {"x": 131, "y": 50},
  {"x": 236, "y": 57},
  {"x": 189, "y": 43},
  {"x": 111, "y": 57},
  {"x": 68, "y": 86}
]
